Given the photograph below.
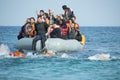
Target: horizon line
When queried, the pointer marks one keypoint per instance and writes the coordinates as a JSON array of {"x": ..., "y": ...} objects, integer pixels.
[{"x": 80, "y": 26}]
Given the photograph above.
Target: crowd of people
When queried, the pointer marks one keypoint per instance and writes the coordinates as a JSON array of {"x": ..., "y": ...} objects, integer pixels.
[{"x": 47, "y": 25}]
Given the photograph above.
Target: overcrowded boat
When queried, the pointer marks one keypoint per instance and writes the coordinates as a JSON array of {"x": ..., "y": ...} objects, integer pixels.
[{"x": 57, "y": 33}]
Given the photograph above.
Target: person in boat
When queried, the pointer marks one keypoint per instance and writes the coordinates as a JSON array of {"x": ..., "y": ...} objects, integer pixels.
[
  {"x": 68, "y": 13},
  {"x": 30, "y": 30},
  {"x": 41, "y": 30},
  {"x": 51, "y": 16},
  {"x": 77, "y": 29},
  {"x": 19, "y": 53},
  {"x": 72, "y": 30},
  {"x": 41, "y": 14},
  {"x": 46, "y": 53},
  {"x": 63, "y": 27},
  {"x": 28, "y": 20},
  {"x": 64, "y": 32},
  {"x": 33, "y": 27},
  {"x": 46, "y": 18},
  {"x": 22, "y": 32},
  {"x": 54, "y": 31}
]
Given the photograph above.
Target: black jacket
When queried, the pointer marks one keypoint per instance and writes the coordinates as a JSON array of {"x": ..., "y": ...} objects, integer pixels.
[{"x": 41, "y": 28}]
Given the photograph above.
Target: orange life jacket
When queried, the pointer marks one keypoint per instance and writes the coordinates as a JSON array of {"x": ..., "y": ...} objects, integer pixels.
[
  {"x": 68, "y": 23},
  {"x": 18, "y": 54},
  {"x": 76, "y": 26},
  {"x": 32, "y": 32}
]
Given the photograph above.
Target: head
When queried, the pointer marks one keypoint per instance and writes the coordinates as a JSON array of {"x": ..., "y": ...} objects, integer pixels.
[
  {"x": 50, "y": 12},
  {"x": 29, "y": 28},
  {"x": 58, "y": 17},
  {"x": 73, "y": 19},
  {"x": 28, "y": 20},
  {"x": 32, "y": 20},
  {"x": 44, "y": 51},
  {"x": 39, "y": 19},
  {"x": 41, "y": 12},
  {"x": 46, "y": 15},
  {"x": 20, "y": 50},
  {"x": 64, "y": 7}
]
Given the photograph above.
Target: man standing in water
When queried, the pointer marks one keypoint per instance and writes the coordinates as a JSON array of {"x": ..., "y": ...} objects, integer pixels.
[{"x": 41, "y": 30}]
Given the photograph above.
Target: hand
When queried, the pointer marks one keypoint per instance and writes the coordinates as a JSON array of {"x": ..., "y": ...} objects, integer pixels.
[
  {"x": 46, "y": 34},
  {"x": 36, "y": 12}
]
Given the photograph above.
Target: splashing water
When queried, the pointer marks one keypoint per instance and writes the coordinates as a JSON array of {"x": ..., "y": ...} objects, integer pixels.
[
  {"x": 99, "y": 57},
  {"x": 64, "y": 55},
  {"x": 4, "y": 50},
  {"x": 29, "y": 54}
]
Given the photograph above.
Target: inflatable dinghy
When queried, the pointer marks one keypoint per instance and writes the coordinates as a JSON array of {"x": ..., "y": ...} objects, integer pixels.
[{"x": 54, "y": 44}]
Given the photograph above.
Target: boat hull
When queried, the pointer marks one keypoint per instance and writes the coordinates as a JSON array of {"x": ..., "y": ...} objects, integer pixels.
[{"x": 54, "y": 44}]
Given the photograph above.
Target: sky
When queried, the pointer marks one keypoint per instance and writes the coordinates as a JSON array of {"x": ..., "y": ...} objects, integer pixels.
[{"x": 87, "y": 12}]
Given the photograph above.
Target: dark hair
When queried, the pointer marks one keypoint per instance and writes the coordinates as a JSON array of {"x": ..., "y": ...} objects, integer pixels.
[
  {"x": 73, "y": 17},
  {"x": 28, "y": 18},
  {"x": 44, "y": 50},
  {"x": 64, "y": 7},
  {"x": 20, "y": 50},
  {"x": 47, "y": 16},
  {"x": 42, "y": 11},
  {"x": 32, "y": 18}
]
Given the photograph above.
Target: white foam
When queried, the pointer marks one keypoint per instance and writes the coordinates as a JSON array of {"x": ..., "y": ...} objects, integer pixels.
[
  {"x": 4, "y": 50},
  {"x": 29, "y": 54},
  {"x": 99, "y": 57},
  {"x": 64, "y": 55}
]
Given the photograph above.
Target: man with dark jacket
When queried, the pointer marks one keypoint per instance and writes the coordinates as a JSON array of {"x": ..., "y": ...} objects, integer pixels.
[{"x": 41, "y": 30}]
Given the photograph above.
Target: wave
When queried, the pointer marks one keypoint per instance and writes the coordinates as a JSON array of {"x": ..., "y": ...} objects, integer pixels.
[
  {"x": 100, "y": 57},
  {"x": 67, "y": 56},
  {"x": 4, "y": 50}
]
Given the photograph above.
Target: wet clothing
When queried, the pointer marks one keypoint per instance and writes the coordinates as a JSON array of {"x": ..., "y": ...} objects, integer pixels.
[
  {"x": 39, "y": 37},
  {"x": 41, "y": 29},
  {"x": 17, "y": 54}
]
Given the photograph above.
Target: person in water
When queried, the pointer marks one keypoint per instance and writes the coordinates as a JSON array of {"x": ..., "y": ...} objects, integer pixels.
[
  {"x": 46, "y": 53},
  {"x": 40, "y": 30},
  {"x": 19, "y": 53}
]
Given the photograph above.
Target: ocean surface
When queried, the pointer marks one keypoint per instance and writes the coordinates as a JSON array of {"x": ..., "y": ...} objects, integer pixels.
[{"x": 85, "y": 64}]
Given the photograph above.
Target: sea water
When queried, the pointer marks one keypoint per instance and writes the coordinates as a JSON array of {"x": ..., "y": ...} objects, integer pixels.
[{"x": 85, "y": 64}]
